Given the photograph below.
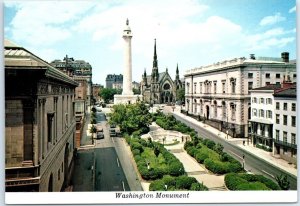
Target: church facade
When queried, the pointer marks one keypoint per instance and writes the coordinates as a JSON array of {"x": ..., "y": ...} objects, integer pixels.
[{"x": 159, "y": 88}]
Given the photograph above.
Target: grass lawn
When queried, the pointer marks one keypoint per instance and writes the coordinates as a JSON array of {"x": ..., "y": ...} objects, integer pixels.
[{"x": 155, "y": 162}]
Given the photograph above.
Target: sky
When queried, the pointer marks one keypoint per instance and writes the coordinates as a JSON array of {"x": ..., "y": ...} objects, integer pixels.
[{"x": 192, "y": 33}]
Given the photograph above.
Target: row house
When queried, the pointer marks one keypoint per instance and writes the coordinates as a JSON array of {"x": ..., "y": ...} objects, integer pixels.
[
  {"x": 285, "y": 124},
  {"x": 39, "y": 123},
  {"x": 219, "y": 93}
]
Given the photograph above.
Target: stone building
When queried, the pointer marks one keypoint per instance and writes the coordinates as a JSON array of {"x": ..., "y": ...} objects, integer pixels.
[
  {"x": 159, "y": 88},
  {"x": 96, "y": 89},
  {"x": 39, "y": 123},
  {"x": 219, "y": 93},
  {"x": 113, "y": 79},
  {"x": 78, "y": 70}
]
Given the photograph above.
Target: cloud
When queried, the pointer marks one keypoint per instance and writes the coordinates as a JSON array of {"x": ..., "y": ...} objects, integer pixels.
[
  {"x": 273, "y": 38},
  {"x": 270, "y": 20},
  {"x": 43, "y": 23},
  {"x": 292, "y": 9}
]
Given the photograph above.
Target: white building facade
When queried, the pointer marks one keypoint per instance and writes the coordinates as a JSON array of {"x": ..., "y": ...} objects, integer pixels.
[
  {"x": 262, "y": 116},
  {"x": 285, "y": 129},
  {"x": 219, "y": 93}
]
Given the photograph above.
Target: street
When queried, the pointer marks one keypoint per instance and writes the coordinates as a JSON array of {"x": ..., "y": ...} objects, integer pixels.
[{"x": 252, "y": 163}]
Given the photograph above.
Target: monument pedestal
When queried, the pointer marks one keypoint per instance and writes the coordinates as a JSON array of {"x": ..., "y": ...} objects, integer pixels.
[{"x": 127, "y": 99}]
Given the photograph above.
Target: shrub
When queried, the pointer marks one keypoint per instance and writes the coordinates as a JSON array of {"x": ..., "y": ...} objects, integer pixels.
[
  {"x": 242, "y": 181},
  {"x": 252, "y": 186},
  {"x": 209, "y": 143},
  {"x": 185, "y": 182},
  {"x": 192, "y": 151},
  {"x": 136, "y": 145},
  {"x": 198, "y": 187},
  {"x": 176, "y": 168},
  {"x": 157, "y": 185},
  {"x": 137, "y": 158},
  {"x": 215, "y": 166},
  {"x": 169, "y": 180},
  {"x": 187, "y": 144},
  {"x": 201, "y": 156},
  {"x": 135, "y": 152}
]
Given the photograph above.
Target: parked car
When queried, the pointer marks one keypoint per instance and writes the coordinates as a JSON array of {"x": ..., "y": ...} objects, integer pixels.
[
  {"x": 112, "y": 132},
  {"x": 100, "y": 135}
]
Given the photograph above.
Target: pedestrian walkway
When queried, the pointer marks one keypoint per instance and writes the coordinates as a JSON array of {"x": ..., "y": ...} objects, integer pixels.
[
  {"x": 267, "y": 156},
  {"x": 191, "y": 166},
  {"x": 86, "y": 138}
]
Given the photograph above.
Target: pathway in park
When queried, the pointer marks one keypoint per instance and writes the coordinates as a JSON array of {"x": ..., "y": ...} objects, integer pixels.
[{"x": 191, "y": 166}]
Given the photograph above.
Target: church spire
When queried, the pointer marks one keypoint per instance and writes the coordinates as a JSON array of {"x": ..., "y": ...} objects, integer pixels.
[
  {"x": 155, "y": 55},
  {"x": 177, "y": 73}
]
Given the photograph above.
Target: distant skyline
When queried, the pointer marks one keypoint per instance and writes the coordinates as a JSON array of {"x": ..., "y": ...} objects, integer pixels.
[{"x": 192, "y": 33}]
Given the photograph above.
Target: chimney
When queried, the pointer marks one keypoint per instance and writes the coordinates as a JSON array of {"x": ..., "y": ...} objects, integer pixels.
[
  {"x": 285, "y": 57},
  {"x": 252, "y": 56}
]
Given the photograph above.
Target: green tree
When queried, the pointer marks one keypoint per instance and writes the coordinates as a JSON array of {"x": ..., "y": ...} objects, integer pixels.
[
  {"x": 131, "y": 117},
  {"x": 180, "y": 93},
  {"x": 283, "y": 182},
  {"x": 108, "y": 94},
  {"x": 219, "y": 148},
  {"x": 156, "y": 151},
  {"x": 136, "y": 91}
]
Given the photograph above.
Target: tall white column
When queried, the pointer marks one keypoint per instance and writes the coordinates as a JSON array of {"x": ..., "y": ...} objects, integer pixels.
[{"x": 127, "y": 77}]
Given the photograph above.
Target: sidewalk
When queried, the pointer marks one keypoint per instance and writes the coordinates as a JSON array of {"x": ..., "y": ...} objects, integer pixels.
[
  {"x": 86, "y": 135},
  {"x": 267, "y": 156}
]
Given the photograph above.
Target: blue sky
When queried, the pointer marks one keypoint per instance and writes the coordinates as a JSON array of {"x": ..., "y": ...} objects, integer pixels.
[{"x": 191, "y": 33}]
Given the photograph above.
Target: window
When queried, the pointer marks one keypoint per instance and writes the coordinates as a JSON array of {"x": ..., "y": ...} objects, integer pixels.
[
  {"x": 58, "y": 174},
  {"x": 261, "y": 113},
  {"x": 269, "y": 114},
  {"x": 277, "y": 135},
  {"x": 294, "y": 76},
  {"x": 267, "y": 83},
  {"x": 223, "y": 87},
  {"x": 200, "y": 87},
  {"x": 215, "y": 87},
  {"x": 267, "y": 75},
  {"x": 284, "y": 119},
  {"x": 269, "y": 101},
  {"x": 233, "y": 87},
  {"x": 277, "y": 76},
  {"x": 285, "y": 106},
  {"x": 277, "y": 106},
  {"x": 195, "y": 87},
  {"x": 293, "y": 121},
  {"x": 293, "y": 107},
  {"x": 250, "y": 75},
  {"x": 49, "y": 126},
  {"x": 262, "y": 100},
  {"x": 293, "y": 138},
  {"x": 285, "y": 137},
  {"x": 254, "y": 111},
  {"x": 254, "y": 100},
  {"x": 277, "y": 119},
  {"x": 250, "y": 85}
]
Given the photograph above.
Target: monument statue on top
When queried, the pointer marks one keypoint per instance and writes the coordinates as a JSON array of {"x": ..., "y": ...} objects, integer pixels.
[{"x": 127, "y": 96}]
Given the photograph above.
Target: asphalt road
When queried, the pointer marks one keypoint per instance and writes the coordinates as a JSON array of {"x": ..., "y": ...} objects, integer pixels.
[{"x": 252, "y": 163}]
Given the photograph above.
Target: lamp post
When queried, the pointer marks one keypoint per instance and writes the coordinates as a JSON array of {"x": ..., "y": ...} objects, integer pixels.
[{"x": 249, "y": 131}]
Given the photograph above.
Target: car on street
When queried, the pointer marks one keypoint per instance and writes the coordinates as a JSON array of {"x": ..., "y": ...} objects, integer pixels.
[
  {"x": 100, "y": 135},
  {"x": 112, "y": 132}
]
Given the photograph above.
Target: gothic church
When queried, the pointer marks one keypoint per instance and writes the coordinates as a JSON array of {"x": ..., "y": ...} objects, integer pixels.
[{"x": 159, "y": 88}]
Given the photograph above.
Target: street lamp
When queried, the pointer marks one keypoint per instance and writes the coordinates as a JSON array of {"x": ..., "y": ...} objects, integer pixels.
[{"x": 249, "y": 132}]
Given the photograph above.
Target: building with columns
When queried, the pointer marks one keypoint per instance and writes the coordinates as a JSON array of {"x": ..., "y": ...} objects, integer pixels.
[
  {"x": 219, "y": 93},
  {"x": 159, "y": 88},
  {"x": 39, "y": 123}
]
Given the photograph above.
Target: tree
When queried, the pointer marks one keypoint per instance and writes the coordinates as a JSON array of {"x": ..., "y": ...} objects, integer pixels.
[
  {"x": 136, "y": 91},
  {"x": 180, "y": 93},
  {"x": 93, "y": 130},
  {"x": 108, "y": 94},
  {"x": 283, "y": 182},
  {"x": 156, "y": 151},
  {"x": 131, "y": 117},
  {"x": 219, "y": 148}
]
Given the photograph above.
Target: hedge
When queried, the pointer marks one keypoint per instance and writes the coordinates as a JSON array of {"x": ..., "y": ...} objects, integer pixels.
[
  {"x": 177, "y": 183},
  {"x": 243, "y": 181},
  {"x": 165, "y": 163}
]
